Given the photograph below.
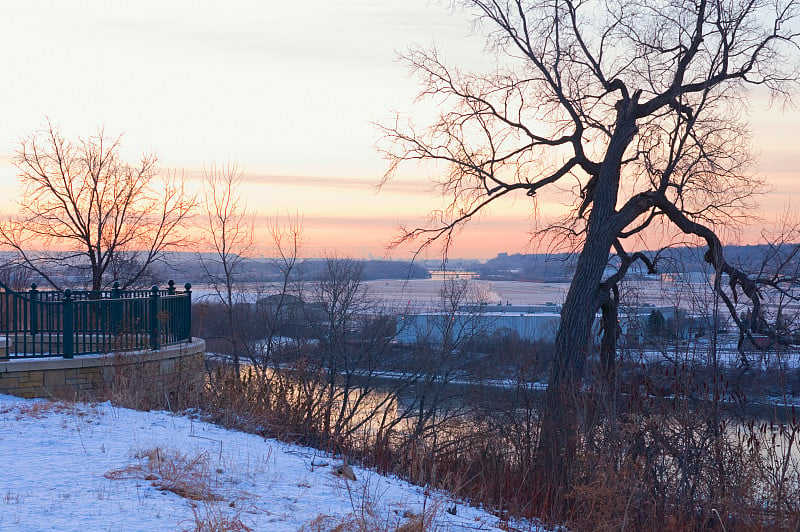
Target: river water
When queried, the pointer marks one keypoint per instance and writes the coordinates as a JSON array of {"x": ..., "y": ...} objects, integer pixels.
[{"x": 423, "y": 293}]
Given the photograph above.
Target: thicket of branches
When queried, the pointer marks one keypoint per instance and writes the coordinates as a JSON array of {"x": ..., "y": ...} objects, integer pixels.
[
  {"x": 84, "y": 209},
  {"x": 690, "y": 447},
  {"x": 637, "y": 108}
]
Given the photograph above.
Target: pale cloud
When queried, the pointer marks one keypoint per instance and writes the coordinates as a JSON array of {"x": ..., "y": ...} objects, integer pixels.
[
  {"x": 402, "y": 186},
  {"x": 288, "y": 90},
  {"x": 412, "y": 186}
]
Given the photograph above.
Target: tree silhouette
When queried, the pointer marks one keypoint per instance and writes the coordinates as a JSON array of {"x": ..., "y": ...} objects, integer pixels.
[
  {"x": 83, "y": 206},
  {"x": 228, "y": 231},
  {"x": 656, "y": 324},
  {"x": 636, "y": 108}
]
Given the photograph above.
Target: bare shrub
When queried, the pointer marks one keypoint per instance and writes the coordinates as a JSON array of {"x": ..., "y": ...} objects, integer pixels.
[
  {"x": 365, "y": 517},
  {"x": 210, "y": 518},
  {"x": 139, "y": 385},
  {"x": 169, "y": 470}
]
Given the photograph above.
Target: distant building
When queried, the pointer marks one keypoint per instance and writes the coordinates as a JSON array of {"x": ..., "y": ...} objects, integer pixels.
[
  {"x": 540, "y": 323},
  {"x": 291, "y": 316},
  {"x": 533, "y": 323},
  {"x": 651, "y": 321},
  {"x": 634, "y": 321},
  {"x": 686, "y": 278},
  {"x": 447, "y": 275}
]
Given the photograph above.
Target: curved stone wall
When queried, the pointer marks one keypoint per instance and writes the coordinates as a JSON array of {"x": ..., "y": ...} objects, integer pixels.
[{"x": 169, "y": 377}]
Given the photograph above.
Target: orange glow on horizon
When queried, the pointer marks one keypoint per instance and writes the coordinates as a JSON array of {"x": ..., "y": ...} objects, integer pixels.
[{"x": 348, "y": 216}]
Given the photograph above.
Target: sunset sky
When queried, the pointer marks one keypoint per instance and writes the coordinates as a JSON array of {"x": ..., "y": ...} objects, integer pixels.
[{"x": 288, "y": 90}]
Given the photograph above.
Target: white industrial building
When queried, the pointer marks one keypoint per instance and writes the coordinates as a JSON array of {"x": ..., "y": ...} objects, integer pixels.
[
  {"x": 537, "y": 322},
  {"x": 530, "y": 322}
]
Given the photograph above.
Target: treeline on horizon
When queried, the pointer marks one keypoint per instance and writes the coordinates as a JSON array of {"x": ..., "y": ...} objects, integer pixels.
[
  {"x": 536, "y": 267},
  {"x": 531, "y": 267}
]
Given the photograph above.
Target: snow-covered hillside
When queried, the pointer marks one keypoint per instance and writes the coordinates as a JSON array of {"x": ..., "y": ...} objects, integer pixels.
[{"x": 87, "y": 467}]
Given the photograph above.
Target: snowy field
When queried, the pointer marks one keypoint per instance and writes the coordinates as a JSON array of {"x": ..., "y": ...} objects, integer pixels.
[
  {"x": 87, "y": 467},
  {"x": 423, "y": 294}
]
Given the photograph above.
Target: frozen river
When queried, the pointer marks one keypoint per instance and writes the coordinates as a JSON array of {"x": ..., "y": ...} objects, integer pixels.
[
  {"x": 424, "y": 293},
  {"x": 421, "y": 294}
]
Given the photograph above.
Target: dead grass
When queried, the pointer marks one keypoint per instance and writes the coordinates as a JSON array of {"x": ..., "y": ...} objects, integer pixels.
[
  {"x": 211, "y": 518},
  {"x": 354, "y": 522},
  {"x": 188, "y": 477},
  {"x": 138, "y": 385},
  {"x": 194, "y": 478},
  {"x": 369, "y": 515},
  {"x": 42, "y": 409}
]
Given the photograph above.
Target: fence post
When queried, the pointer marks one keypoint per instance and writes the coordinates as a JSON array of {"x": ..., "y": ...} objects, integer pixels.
[
  {"x": 173, "y": 331},
  {"x": 187, "y": 322},
  {"x": 155, "y": 343},
  {"x": 116, "y": 309},
  {"x": 67, "y": 325},
  {"x": 34, "y": 314}
]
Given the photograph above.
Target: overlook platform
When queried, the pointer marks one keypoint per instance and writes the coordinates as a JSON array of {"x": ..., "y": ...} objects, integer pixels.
[{"x": 91, "y": 345}]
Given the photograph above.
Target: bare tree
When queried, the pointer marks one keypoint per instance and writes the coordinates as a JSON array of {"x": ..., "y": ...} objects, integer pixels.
[
  {"x": 339, "y": 304},
  {"x": 83, "y": 206},
  {"x": 283, "y": 306},
  {"x": 228, "y": 230},
  {"x": 15, "y": 276},
  {"x": 635, "y": 106},
  {"x": 441, "y": 356}
]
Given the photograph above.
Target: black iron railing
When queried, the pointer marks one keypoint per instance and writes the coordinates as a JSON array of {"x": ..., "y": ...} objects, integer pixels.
[{"x": 49, "y": 323}]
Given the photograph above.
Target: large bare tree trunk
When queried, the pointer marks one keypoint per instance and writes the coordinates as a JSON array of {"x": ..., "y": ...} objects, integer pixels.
[
  {"x": 563, "y": 404},
  {"x": 558, "y": 440},
  {"x": 594, "y": 73}
]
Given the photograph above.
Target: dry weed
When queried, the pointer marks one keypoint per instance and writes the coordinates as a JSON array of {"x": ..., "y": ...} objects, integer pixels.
[
  {"x": 138, "y": 385},
  {"x": 354, "y": 523},
  {"x": 213, "y": 519},
  {"x": 190, "y": 478},
  {"x": 40, "y": 409},
  {"x": 421, "y": 522},
  {"x": 365, "y": 517}
]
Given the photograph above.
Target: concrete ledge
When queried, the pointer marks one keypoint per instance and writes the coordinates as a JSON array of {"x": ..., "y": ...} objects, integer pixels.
[
  {"x": 169, "y": 375},
  {"x": 197, "y": 345}
]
